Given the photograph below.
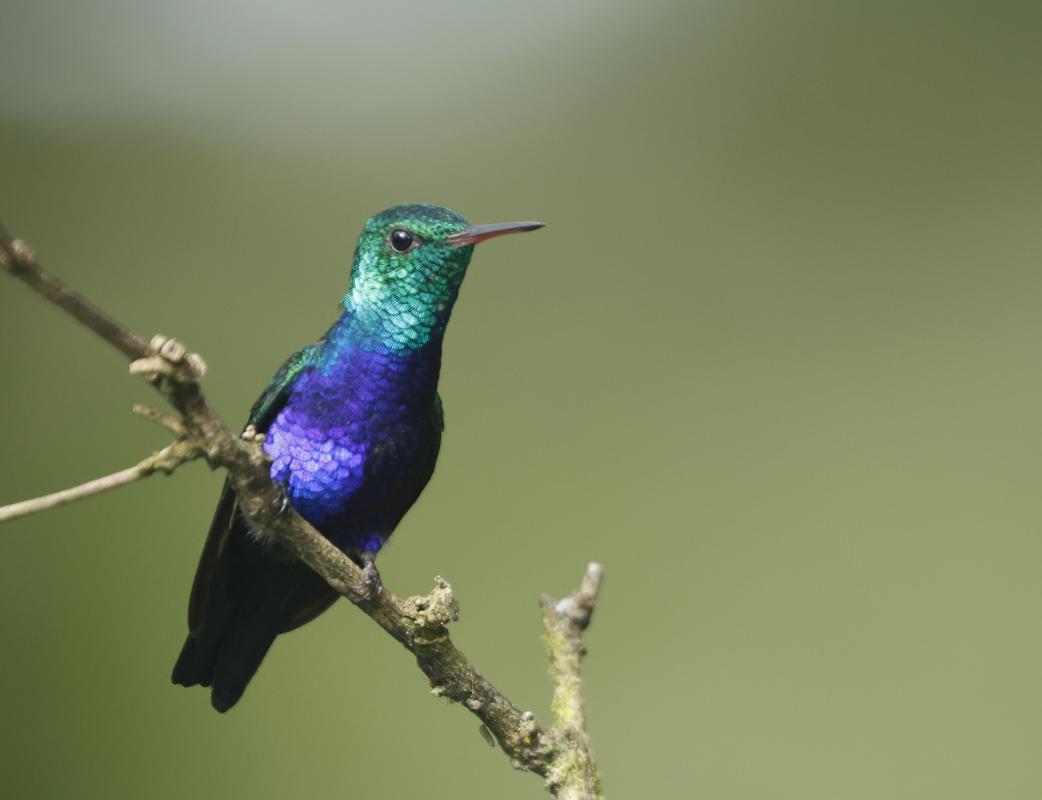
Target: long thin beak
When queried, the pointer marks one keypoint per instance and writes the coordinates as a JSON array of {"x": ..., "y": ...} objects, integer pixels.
[{"x": 479, "y": 233}]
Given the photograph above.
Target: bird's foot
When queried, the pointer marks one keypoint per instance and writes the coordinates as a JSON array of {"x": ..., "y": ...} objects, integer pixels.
[
  {"x": 281, "y": 501},
  {"x": 251, "y": 434},
  {"x": 371, "y": 585}
]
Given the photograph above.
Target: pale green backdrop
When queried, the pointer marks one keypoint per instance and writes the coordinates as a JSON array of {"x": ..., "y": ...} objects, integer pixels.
[{"x": 776, "y": 361}]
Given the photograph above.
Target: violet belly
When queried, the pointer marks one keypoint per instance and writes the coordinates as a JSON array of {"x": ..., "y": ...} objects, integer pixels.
[{"x": 358, "y": 440}]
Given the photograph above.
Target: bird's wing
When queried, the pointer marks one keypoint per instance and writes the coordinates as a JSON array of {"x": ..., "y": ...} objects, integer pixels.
[
  {"x": 262, "y": 415},
  {"x": 439, "y": 413},
  {"x": 270, "y": 403}
]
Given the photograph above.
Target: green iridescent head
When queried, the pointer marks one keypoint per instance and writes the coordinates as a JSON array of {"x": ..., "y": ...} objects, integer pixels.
[{"x": 408, "y": 267}]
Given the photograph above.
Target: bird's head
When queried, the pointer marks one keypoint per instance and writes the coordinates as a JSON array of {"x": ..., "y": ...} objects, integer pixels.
[{"x": 408, "y": 267}]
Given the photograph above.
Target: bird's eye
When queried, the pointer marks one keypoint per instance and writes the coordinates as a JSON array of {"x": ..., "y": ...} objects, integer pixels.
[{"x": 401, "y": 240}]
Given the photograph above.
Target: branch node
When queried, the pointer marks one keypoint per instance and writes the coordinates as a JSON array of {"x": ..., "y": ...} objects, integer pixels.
[
  {"x": 196, "y": 365},
  {"x": 578, "y": 606},
  {"x": 170, "y": 358},
  {"x": 151, "y": 366},
  {"x": 435, "y": 610},
  {"x": 22, "y": 252},
  {"x": 528, "y": 725}
]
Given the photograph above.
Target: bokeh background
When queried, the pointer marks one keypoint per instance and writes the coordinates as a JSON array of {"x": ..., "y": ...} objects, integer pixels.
[{"x": 776, "y": 361}]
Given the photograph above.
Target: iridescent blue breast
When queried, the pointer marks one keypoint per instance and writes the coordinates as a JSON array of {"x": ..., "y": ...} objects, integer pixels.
[
  {"x": 320, "y": 458},
  {"x": 356, "y": 442}
]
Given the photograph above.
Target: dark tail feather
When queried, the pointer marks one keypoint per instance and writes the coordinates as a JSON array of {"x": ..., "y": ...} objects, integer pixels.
[
  {"x": 198, "y": 656},
  {"x": 254, "y": 594},
  {"x": 242, "y": 651},
  {"x": 228, "y": 661},
  {"x": 228, "y": 664},
  {"x": 191, "y": 668}
]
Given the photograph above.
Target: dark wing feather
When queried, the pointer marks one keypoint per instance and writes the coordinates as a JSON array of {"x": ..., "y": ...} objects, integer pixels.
[
  {"x": 320, "y": 597},
  {"x": 270, "y": 403},
  {"x": 262, "y": 415},
  {"x": 215, "y": 540}
]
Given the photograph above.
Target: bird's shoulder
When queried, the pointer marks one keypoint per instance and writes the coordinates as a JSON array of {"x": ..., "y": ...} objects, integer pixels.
[{"x": 274, "y": 397}]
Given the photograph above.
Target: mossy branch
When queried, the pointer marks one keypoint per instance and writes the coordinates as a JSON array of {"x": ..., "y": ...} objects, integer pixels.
[{"x": 559, "y": 753}]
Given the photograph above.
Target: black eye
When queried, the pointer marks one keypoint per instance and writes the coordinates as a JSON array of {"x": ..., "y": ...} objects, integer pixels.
[{"x": 401, "y": 240}]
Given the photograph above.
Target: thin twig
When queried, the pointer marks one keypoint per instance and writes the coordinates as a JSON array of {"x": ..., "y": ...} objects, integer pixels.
[
  {"x": 564, "y": 621},
  {"x": 166, "y": 460},
  {"x": 17, "y": 258},
  {"x": 168, "y": 421}
]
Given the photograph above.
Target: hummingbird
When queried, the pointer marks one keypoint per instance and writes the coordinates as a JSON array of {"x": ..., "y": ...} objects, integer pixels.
[{"x": 352, "y": 425}]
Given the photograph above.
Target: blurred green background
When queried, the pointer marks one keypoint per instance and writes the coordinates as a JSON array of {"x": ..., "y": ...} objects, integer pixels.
[{"x": 775, "y": 361}]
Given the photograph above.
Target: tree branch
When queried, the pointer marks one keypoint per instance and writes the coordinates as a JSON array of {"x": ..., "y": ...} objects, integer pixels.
[
  {"x": 166, "y": 460},
  {"x": 564, "y": 622},
  {"x": 560, "y": 754},
  {"x": 20, "y": 261}
]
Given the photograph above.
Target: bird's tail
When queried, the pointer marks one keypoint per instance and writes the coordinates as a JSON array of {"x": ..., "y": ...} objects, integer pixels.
[
  {"x": 227, "y": 664},
  {"x": 249, "y": 594}
]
